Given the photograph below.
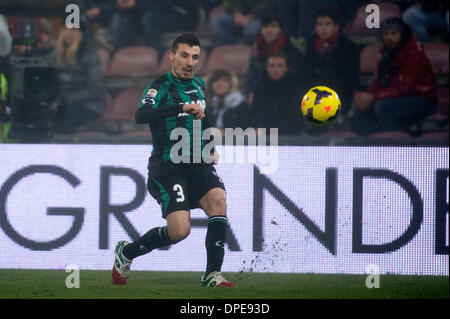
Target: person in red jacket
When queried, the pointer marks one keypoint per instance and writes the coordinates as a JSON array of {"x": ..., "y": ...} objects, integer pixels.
[{"x": 404, "y": 87}]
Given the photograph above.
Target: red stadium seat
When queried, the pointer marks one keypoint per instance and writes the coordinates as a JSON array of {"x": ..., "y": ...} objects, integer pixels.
[
  {"x": 387, "y": 10},
  {"x": 124, "y": 106},
  {"x": 368, "y": 58},
  {"x": 134, "y": 62},
  {"x": 438, "y": 55},
  {"x": 390, "y": 134},
  {"x": 443, "y": 101},
  {"x": 105, "y": 60},
  {"x": 435, "y": 135},
  {"x": 164, "y": 65},
  {"x": 109, "y": 106},
  {"x": 217, "y": 11},
  {"x": 340, "y": 134},
  {"x": 234, "y": 58},
  {"x": 138, "y": 133}
]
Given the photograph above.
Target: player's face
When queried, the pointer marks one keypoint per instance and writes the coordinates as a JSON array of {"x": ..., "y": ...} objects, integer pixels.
[
  {"x": 325, "y": 28},
  {"x": 391, "y": 38},
  {"x": 222, "y": 86},
  {"x": 184, "y": 61},
  {"x": 271, "y": 32},
  {"x": 276, "y": 68}
]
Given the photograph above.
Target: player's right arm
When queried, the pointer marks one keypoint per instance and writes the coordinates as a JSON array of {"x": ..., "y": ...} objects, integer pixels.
[{"x": 149, "y": 109}]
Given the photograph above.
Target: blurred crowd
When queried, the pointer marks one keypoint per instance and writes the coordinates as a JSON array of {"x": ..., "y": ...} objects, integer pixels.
[{"x": 294, "y": 45}]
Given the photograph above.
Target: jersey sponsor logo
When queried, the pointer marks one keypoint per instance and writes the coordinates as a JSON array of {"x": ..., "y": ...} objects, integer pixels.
[
  {"x": 202, "y": 103},
  {"x": 148, "y": 101}
]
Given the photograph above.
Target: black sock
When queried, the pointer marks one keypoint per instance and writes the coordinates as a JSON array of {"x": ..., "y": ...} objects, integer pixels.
[
  {"x": 155, "y": 238},
  {"x": 215, "y": 241}
]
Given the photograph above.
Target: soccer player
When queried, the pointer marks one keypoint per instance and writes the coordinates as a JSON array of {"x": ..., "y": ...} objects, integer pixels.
[{"x": 177, "y": 101}]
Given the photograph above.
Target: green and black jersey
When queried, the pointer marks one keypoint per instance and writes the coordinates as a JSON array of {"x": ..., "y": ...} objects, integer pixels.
[{"x": 161, "y": 107}]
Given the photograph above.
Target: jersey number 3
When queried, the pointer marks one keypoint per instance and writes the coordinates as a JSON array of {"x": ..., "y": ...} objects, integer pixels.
[{"x": 177, "y": 188}]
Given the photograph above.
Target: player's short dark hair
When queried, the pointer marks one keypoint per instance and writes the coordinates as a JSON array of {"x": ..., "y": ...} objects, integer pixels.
[
  {"x": 328, "y": 12},
  {"x": 187, "y": 38},
  {"x": 270, "y": 17}
]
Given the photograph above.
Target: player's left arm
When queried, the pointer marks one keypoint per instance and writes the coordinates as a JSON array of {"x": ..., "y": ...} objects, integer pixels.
[{"x": 207, "y": 126}]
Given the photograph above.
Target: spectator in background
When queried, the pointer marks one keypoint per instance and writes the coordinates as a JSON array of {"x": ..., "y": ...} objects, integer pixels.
[
  {"x": 5, "y": 50},
  {"x": 222, "y": 94},
  {"x": 270, "y": 41},
  {"x": 428, "y": 18},
  {"x": 404, "y": 86},
  {"x": 276, "y": 100},
  {"x": 99, "y": 14},
  {"x": 150, "y": 19},
  {"x": 241, "y": 22},
  {"x": 332, "y": 59},
  {"x": 298, "y": 16},
  {"x": 46, "y": 44},
  {"x": 5, "y": 37},
  {"x": 169, "y": 16},
  {"x": 80, "y": 79}
]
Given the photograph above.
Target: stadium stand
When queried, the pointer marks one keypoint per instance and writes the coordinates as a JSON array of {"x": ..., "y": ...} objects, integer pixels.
[
  {"x": 390, "y": 135},
  {"x": 368, "y": 58},
  {"x": 438, "y": 55},
  {"x": 234, "y": 58},
  {"x": 340, "y": 134},
  {"x": 129, "y": 70},
  {"x": 124, "y": 106},
  {"x": 105, "y": 60},
  {"x": 134, "y": 62},
  {"x": 387, "y": 10}
]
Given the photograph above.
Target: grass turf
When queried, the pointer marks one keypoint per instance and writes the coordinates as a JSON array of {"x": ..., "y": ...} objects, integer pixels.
[{"x": 186, "y": 285}]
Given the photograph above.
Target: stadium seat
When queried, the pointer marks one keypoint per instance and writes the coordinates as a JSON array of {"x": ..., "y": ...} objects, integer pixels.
[
  {"x": 443, "y": 101},
  {"x": 390, "y": 134},
  {"x": 369, "y": 58},
  {"x": 124, "y": 106},
  {"x": 387, "y": 10},
  {"x": 340, "y": 134},
  {"x": 164, "y": 65},
  {"x": 438, "y": 55},
  {"x": 105, "y": 60},
  {"x": 435, "y": 135},
  {"x": 134, "y": 62},
  {"x": 217, "y": 11},
  {"x": 138, "y": 133},
  {"x": 234, "y": 58}
]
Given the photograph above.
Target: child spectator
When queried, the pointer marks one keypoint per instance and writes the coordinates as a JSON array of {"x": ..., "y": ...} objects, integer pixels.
[
  {"x": 276, "y": 100},
  {"x": 332, "y": 59},
  {"x": 271, "y": 40}
]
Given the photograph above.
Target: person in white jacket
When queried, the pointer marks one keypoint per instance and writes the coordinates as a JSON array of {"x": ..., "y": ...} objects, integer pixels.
[
  {"x": 222, "y": 94},
  {"x": 5, "y": 37}
]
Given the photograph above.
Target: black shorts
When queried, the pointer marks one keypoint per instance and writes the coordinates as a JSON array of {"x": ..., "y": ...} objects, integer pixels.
[{"x": 180, "y": 187}]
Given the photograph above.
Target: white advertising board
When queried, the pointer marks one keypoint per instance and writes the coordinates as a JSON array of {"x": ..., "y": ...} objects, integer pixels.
[{"x": 322, "y": 210}]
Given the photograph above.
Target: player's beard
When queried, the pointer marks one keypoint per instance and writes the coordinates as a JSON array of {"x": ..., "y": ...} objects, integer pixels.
[{"x": 183, "y": 74}]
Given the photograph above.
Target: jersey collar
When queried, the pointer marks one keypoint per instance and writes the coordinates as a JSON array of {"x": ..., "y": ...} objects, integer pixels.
[{"x": 177, "y": 80}]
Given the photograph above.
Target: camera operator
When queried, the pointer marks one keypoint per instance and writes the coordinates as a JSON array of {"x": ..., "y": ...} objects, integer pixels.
[{"x": 34, "y": 84}]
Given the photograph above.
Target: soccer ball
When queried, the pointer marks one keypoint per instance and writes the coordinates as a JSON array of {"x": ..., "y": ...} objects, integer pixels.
[{"x": 321, "y": 105}]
